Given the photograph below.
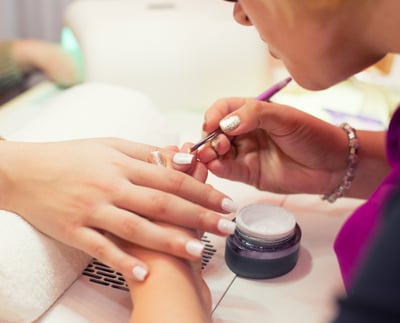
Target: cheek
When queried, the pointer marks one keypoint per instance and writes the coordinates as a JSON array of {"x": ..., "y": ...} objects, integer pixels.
[{"x": 305, "y": 50}]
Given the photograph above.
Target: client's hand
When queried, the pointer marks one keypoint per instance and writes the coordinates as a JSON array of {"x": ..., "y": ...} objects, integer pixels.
[
  {"x": 179, "y": 159},
  {"x": 190, "y": 302},
  {"x": 76, "y": 191}
]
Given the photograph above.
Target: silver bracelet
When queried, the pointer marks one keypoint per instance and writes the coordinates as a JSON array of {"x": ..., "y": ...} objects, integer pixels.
[{"x": 352, "y": 161}]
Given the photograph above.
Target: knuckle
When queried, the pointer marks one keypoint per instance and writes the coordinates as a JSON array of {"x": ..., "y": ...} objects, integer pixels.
[
  {"x": 255, "y": 106},
  {"x": 122, "y": 264},
  {"x": 114, "y": 188},
  {"x": 176, "y": 181},
  {"x": 210, "y": 195},
  {"x": 131, "y": 226},
  {"x": 160, "y": 203},
  {"x": 72, "y": 226},
  {"x": 203, "y": 220},
  {"x": 176, "y": 245},
  {"x": 209, "y": 190},
  {"x": 98, "y": 251},
  {"x": 90, "y": 215},
  {"x": 170, "y": 246}
]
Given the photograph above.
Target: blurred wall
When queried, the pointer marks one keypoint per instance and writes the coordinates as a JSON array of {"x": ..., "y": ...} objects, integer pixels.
[{"x": 31, "y": 18}]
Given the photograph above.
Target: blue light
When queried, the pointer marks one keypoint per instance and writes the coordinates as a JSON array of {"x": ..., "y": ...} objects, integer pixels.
[{"x": 71, "y": 44}]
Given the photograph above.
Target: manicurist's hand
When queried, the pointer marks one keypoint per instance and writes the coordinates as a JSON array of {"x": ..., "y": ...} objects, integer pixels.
[
  {"x": 274, "y": 147},
  {"x": 77, "y": 191},
  {"x": 50, "y": 58}
]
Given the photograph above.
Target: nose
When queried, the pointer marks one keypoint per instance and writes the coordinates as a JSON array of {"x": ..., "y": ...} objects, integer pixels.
[{"x": 240, "y": 16}]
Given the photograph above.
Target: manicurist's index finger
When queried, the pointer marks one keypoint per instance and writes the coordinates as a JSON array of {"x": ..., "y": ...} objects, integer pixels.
[{"x": 219, "y": 110}]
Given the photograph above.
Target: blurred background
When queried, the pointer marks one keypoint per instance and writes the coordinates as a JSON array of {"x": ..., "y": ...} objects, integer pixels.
[
  {"x": 32, "y": 18},
  {"x": 187, "y": 53}
]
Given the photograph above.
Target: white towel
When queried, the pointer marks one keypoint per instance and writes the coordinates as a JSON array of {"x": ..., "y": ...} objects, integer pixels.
[
  {"x": 97, "y": 110},
  {"x": 34, "y": 269}
]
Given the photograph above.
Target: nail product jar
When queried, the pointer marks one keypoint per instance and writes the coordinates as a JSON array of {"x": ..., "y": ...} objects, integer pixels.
[{"x": 265, "y": 244}]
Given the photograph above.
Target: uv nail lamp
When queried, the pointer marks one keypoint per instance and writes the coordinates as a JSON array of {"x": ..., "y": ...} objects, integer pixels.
[{"x": 181, "y": 53}]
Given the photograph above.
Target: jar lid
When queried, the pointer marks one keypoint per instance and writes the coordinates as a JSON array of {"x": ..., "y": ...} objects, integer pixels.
[{"x": 265, "y": 221}]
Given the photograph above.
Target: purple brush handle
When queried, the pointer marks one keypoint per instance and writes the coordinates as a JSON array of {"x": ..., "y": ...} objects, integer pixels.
[{"x": 265, "y": 96}]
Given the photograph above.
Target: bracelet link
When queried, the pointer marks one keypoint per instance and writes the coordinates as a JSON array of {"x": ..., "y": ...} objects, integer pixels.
[{"x": 352, "y": 162}]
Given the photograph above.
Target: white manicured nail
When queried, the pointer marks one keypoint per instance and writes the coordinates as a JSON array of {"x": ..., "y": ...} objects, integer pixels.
[
  {"x": 195, "y": 248},
  {"x": 183, "y": 158},
  {"x": 230, "y": 123},
  {"x": 226, "y": 226},
  {"x": 228, "y": 205},
  {"x": 214, "y": 144},
  {"x": 139, "y": 273},
  {"x": 157, "y": 158}
]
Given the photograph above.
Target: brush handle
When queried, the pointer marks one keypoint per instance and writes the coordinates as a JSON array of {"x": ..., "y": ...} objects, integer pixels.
[{"x": 265, "y": 96}]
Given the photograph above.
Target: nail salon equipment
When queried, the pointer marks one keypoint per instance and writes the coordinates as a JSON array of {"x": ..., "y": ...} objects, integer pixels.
[
  {"x": 265, "y": 96},
  {"x": 266, "y": 242},
  {"x": 167, "y": 50}
]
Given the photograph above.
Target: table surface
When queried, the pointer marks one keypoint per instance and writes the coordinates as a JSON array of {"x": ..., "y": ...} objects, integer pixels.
[{"x": 306, "y": 294}]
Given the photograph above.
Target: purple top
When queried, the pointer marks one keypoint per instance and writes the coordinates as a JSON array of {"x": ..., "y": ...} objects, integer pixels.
[{"x": 353, "y": 238}]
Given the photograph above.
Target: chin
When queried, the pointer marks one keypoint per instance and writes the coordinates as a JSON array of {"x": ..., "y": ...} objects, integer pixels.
[
  {"x": 272, "y": 53},
  {"x": 316, "y": 82},
  {"x": 313, "y": 85}
]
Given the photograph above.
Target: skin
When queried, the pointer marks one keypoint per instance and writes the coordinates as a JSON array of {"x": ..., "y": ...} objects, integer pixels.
[
  {"x": 49, "y": 58},
  {"x": 56, "y": 188},
  {"x": 313, "y": 49},
  {"x": 80, "y": 191},
  {"x": 155, "y": 300},
  {"x": 278, "y": 148}
]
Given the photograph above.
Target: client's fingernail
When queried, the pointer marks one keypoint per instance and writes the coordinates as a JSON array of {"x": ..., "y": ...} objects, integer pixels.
[
  {"x": 228, "y": 205},
  {"x": 183, "y": 158},
  {"x": 157, "y": 158},
  {"x": 195, "y": 248},
  {"x": 229, "y": 123},
  {"x": 214, "y": 144},
  {"x": 139, "y": 273},
  {"x": 226, "y": 226}
]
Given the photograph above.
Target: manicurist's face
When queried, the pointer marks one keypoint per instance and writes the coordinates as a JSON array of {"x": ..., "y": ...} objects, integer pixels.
[{"x": 319, "y": 46}]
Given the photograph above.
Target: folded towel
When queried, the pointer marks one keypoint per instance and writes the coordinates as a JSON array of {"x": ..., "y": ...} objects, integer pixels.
[
  {"x": 34, "y": 269},
  {"x": 97, "y": 110}
]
